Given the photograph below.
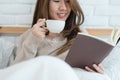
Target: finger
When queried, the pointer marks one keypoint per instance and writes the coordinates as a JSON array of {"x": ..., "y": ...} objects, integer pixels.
[
  {"x": 47, "y": 33},
  {"x": 100, "y": 65},
  {"x": 43, "y": 27},
  {"x": 40, "y": 29},
  {"x": 40, "y": 24},
  {"x": 98, "y": 69},
  {"x": 41, "y": 20},
  {"x": 88, "y": 69},
  {"x": 37, "y": 29},
  {"x": 39, "y": 33}
]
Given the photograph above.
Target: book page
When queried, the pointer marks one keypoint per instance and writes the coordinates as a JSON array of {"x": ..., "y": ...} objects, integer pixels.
[{"x": 115, "y": 35}]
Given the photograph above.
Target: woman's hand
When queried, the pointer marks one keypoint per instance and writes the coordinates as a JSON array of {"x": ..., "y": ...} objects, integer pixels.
[
  {"x": 39, "y": 28},
  {"x": 98, "y": 68}
]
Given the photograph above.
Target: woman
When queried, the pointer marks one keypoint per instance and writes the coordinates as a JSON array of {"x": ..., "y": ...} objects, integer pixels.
[{"x": 35, "y": 42}]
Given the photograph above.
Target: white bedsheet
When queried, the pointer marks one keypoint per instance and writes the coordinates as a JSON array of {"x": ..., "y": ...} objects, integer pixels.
[
  {"x": 111, "y": 65},
  {"x": 47, "y": 68},
  {"x": 40, "y": 68}
]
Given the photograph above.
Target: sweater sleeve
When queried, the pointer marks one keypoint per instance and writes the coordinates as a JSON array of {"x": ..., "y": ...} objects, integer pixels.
[{"x": 26, "y": 47}]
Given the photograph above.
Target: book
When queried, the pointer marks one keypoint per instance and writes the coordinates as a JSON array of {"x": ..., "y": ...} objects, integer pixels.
[
  {"x": 87, "y": 50},
  {"x": 115, "y": 35}
]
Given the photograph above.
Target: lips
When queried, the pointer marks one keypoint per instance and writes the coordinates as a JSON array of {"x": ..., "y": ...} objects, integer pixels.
[{"x": 61, "y": 15}]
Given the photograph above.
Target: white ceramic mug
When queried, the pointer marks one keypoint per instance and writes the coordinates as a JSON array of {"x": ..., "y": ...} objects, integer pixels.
[{"x": 55, "y": 26}]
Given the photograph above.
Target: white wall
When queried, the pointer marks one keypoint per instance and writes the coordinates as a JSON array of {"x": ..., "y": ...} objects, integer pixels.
[
  {"x": 16, "y": 12},
  {"x": 98, "y": 13},
  {"x": 101, "y": 13}
]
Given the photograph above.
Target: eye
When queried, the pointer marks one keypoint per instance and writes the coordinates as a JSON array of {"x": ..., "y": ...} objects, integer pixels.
[
  {"x": 56, "y": 0},
  {"x": 67, "y": 1}
]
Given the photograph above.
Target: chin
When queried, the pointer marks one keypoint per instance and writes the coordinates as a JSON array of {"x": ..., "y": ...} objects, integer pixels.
[{"x": 63, "y": 19}]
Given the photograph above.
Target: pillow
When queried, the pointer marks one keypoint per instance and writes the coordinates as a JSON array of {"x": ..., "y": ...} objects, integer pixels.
[{"x": 6, "y": 49}]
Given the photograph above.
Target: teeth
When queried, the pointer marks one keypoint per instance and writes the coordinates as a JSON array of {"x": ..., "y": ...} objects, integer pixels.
[{"x": 61, "y": 14}]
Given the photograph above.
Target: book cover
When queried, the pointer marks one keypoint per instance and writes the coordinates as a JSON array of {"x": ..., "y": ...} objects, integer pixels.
[{"x": 87, "y": 50}]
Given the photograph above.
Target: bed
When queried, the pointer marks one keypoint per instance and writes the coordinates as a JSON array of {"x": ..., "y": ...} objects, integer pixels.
[{"x": 111, "y": 63}]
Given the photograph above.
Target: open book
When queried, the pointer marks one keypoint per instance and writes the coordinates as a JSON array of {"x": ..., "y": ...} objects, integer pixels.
[
  {"x": 115, "y": 35},
  {"x": 87, "y": 50}
]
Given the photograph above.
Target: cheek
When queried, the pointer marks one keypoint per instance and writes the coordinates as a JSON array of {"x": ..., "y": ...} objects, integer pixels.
[
  {"x": 52, "y": 7},
  {"x": 52, "y": 11}
]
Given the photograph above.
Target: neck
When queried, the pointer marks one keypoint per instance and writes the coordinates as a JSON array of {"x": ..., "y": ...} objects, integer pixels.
[{"x": 53, "y": 35}]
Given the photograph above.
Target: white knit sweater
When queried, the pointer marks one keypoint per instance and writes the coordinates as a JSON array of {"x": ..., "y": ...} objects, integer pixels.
[{"x": 29, "y": 46}]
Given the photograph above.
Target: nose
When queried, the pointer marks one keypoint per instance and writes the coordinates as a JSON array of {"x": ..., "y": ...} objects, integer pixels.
[{"x": 63, "y": 6}]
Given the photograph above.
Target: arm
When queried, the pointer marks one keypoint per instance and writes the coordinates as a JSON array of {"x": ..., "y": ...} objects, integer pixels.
[
  {"x": 26, "y": 47},
  {"x": 29, "y": 42}
]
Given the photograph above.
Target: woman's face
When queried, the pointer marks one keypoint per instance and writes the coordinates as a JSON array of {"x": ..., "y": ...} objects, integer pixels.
[{"x": 59, "y": 9}]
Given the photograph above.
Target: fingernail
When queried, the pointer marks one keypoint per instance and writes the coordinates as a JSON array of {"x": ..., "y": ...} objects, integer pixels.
[
  {"x": 44, "y": 19},
  {"x": 100, "y": 64},
  {"x": 47, "y": 32},
  {"x": 86, "y": 67},
  {"x": 94, "y": 65}
]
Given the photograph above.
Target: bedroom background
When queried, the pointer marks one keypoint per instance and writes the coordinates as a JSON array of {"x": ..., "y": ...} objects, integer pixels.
[{"x": 98, "y": 13}]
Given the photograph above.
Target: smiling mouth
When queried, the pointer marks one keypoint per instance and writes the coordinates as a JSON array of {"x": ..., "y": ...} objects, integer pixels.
[{"x": 61, "y": 15}]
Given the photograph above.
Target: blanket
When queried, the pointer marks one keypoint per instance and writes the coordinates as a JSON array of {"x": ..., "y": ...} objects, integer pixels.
[{"x": 111, "y": 63}]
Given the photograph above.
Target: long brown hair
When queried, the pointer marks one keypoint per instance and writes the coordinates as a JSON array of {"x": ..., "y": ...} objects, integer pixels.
[{"x": 75, "y": 19}]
